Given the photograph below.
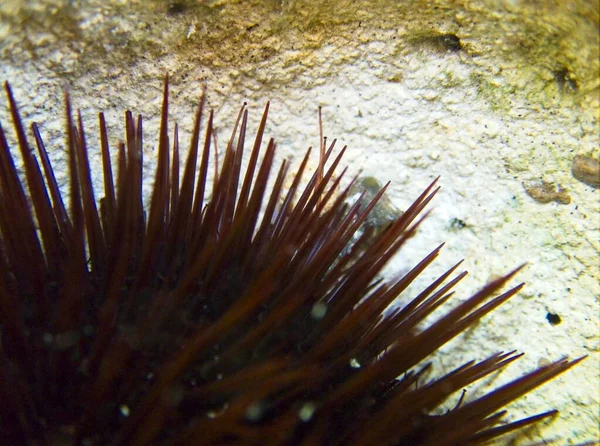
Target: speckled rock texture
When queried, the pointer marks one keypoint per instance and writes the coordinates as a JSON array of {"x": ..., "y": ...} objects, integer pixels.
[{"x": 495, "y": 97}]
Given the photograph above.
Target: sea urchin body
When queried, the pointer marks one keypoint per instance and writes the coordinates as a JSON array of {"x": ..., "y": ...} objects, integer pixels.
[{"x": 251, "y": 317}]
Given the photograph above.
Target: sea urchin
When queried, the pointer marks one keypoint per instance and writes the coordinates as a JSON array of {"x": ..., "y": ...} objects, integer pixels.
[{"x": 251, "y": 317}]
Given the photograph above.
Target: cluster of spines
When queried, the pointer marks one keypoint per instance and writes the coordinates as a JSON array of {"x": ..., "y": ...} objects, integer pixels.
[{"x": 250, "y": 317}]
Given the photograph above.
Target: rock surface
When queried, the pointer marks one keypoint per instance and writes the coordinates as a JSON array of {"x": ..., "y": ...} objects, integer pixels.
[{"x": 489, "y": 95}]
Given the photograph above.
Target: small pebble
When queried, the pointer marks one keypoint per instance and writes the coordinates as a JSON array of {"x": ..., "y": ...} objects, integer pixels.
[
  {"x": 586, "y": 169},
  {"x": 553, "y": 318}
]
